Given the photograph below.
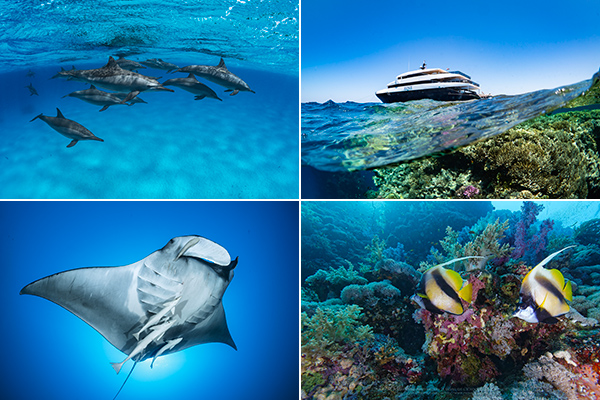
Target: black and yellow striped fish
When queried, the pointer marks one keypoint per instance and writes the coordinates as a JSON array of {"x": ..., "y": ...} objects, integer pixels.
[
  {"x": 544, "y": 294},
  {"x": 441, "y": 289}
]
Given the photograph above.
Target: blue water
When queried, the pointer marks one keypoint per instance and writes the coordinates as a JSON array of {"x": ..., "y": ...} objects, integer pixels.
[
  {"x": 173, "y": 147},
  {"x": 51, "y": 354},
  {"x": 355, "y": 136}
]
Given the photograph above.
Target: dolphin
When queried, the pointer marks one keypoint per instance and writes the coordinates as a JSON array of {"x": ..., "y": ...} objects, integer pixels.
[
  {"x": 159, "y": 64},
  {"x": 97, "y": 97},
  {"x": 192, "y": 85},
  {"x": 113, "y": 77},
  {"x": 129, "y": 65},
  {"x": 32, "y": 90},
  {"x": 188, "y": 276},
  {"x": 219, "y": 75},
  {"x": 30, "y": 74},
  {"x": 68, "y": 128}
]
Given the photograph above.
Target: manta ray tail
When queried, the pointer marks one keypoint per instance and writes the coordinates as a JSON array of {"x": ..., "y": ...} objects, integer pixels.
[{"x": 128, "y": 375}]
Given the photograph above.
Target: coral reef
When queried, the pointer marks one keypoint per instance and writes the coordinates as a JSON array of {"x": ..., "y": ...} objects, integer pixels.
[
  {"x": 588, "y": 232},
  {"x": 363, "y": 337},
  {"x": 489, "y": 391},
  {"x": 551, "y": 156},
  {"x": 329, "y": 284}
]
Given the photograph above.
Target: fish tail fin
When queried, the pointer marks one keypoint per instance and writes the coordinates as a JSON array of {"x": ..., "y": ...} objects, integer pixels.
[
  {"x": 466, "y": 293},
  {"x": 568, "y": 291},
  {"x": 117, "y": 366},
  {"x": 121, "y": 388}
]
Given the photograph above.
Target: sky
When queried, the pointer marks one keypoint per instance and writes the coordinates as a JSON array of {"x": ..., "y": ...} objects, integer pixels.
[
  {"x": 55, "y": 355},
  {"x": 352, "y": 48}
]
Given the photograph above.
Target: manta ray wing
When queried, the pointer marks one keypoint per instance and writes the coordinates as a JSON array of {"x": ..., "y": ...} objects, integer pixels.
[
  {"x": 169, "y": 300},
  {"x": 96, "y": 296}
]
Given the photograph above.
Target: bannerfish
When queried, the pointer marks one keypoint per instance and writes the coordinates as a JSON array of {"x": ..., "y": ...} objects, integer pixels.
[
  {"x": 441, "y": 289},
  {"x": 544, "y": 293}
]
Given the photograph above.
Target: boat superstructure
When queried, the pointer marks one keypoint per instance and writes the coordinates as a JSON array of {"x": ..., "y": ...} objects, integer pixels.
[{"x": 430, "y": 83}]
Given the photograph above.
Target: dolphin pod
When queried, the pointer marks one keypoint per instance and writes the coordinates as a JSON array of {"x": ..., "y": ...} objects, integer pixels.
[
  {"x": 68, "y": 128},
  {"x": 119, "y": 77},
  {"x": 220, "y": 75}
]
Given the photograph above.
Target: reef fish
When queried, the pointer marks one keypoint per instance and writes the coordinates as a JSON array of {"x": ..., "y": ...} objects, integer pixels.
[
  {"x": 220, "y": 75},
  {"x": 192, "y": 85},
  {"x": 441, "y": 289},
  {"x": 164, "y": 303},
  {"x": 544, "y": 294},
  {"x": 68, "y": 128},
  {"x": 160, "y": 64}
]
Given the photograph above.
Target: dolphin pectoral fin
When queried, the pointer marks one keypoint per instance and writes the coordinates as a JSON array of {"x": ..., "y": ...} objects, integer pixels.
[
  {"x": 130, "y": 96},
  {"x": 73, "y": 143},
  {"x": 199, "y": 97},
  {"x": 103, "y": 108},
  {"x": 234, "y": 92}
]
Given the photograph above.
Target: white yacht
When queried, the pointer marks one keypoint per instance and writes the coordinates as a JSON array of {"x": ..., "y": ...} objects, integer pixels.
[{"x": 430, "y": 83}]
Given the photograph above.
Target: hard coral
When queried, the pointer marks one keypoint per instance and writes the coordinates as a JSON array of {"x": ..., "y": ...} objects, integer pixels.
[{"x": 548, "y": 157}]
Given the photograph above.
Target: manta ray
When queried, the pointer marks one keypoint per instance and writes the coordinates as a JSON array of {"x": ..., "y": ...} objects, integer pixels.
[{"x": 162, "y": 304}]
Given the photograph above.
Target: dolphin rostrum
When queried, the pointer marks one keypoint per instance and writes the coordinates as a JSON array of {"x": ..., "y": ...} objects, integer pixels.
[
  {"x": 161, "y": 304},
  {"x": 159, "y": 64},
  {"x": 32, "y": 90},
  {"x": 69, "y": 128},
  {"x": 97, "y": 97},
  {"x": 113, "y": 77},
  {"x": 192, "y": 85},
  {"x": 219, "y": 75}
]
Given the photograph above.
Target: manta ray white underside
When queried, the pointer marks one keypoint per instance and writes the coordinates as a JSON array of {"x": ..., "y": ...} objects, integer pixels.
[{"x": 164, "y": 303}]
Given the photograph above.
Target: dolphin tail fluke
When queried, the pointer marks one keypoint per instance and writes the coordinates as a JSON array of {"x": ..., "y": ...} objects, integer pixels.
[
  {"x": 42, "y": 114},
  {"x": 73, "y": 143}
]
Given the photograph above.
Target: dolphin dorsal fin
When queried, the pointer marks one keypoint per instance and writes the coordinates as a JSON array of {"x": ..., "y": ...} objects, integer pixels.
[
  {"x": 92, "y": 87},
  {"x": 111, "y": 63},
  {"x": 160, "y": 59},
  {"x": 191, "y": 76},
  {"x": 59, "y": 114},
  {"x": 62, "y": 69},
  {"x": 222, "y": 64}
]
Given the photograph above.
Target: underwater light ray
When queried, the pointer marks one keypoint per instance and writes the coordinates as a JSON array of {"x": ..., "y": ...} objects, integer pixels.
[{"x": 352, "y": 136}]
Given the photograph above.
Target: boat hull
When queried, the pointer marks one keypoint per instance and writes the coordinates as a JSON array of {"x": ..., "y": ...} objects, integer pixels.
[{"x": 441, "y": 94}]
